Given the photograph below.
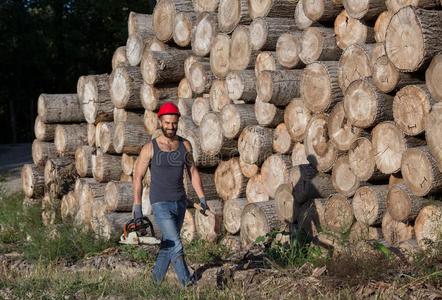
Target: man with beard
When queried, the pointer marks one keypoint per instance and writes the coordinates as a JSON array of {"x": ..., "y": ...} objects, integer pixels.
[{"x": 167, "y": 156}]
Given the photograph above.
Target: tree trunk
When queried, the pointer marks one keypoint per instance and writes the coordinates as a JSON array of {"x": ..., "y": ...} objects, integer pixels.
[
  {"x": 140, "y": 23},
  {"x": 363, "y": 232},
  {"x": 433, "y": 77},
  {"x": 119, "y": 196},
  {"x": 275, "y": 170},
  {"x": 182, "y": 29},
  {"x": 229, "y": 181},
  {"x": 319, "y": 86},
  {"x": 341, "y": 132},
  {"x": 298, "y": 155},
  {"x": 309, "y": 184},
  {"x": 338, "y": 214},
  {"x": 50, "y": 210},
  {"x": 301, "y": 20},
  {"x": 44, "y": 132},
  {"x": 320, "y": 152},
  {"x": 296, "y": 118},
  {"x": 188, "y": 231},
  {"x": 241, "y": 85},
  {"x": 129, "y": 138},
  {"x": 124, "y": 87},
  {"x": 255, "y": 191},
  {"x": 420, "y": 172},
  {"x": 232, "y": 214},
  {"x": 264, "y": 32},
  {"x": 60, "y": 176},
  {"x": 33, "y": 180},
  {"x": 136, "y": 44},
  {"x": 60, "y": 108},
  {"x": 381, "y": 25},
  {"x": 248, "y": 170},
  {"x": 270, "y": 8},
  {"x": 350, "y": 31},
  {"x": 236, "y": 117},
  {"x": 219, "y": 96},
  {"x": 389, "y": 144},
  {"x": 395, "y": 232},
  {"x": 212, "y": 140},
  {"x": 367, "y": 10},
  {"x": 288, "y": 48},
  {"x": 163, "y": 66},
  {"x": 200, "y": 77},
  {"x": 83, "y": 160},
  {"x": 370, "y": 204},
  {"x": 220, "y": 55},
  {"x": 184, "y": 89},
  {"x": 278, "y": 87},
  {"x": 97, "y": 104},
  {"x": 105, "y": 133},
  {"x": 200, "y": 6},
  {"x": 151, "y": 122},
  {"x": 69, "y": 137},
  {"x": 402, "y": 204},
  {"x": 343, "y": 178},
  {"x": 119, "y": 59},
  {"x": 204, "y": 33},
  {"x": 413, "y": 37},
  {"x": 282, "y": 143},
  {"x": 365, "y": 106},
  {"x": 128, "y": 163},
  {"x": 91, "y": 130},
  {"x": 354, "y": 64},
  {"x": 42, "y": 151},
  {"x": 122, "y": 115},
  {"x": 255, "y": 144},
  {"x": 200, "y": 107},
  {"x": 107, "y": 167},
  {"x": 362, "y": 160},
  {"x": 265, "y": 61},
  {"x": 322, "y": 10},
  {"x": 428, "y": 226},
  {"x": 319, "y": 44},
  {"x": 411, "y": 106},
  {"x": 209, "y": 226},
  {"x": 310, "y": 217},
  {"x": 111, "y": 225},
  {"x": 241, "y": 54},
  {"x": 433, "y": 133},
  {"x": 231, "y": 13},
  {"x": 164, "y": 15},
  {"x": 92, "y": 194},
  {"x": 68, "y": 207},
  {"x": 285, "y": 203},
  {"x": 258, "y": 219},
  {"x": 152, "y": 97},
  {"x": 395, "y": 5}
]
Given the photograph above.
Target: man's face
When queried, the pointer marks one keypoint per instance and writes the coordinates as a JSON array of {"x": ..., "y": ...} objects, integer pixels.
[{"x": 169, "y": 125}]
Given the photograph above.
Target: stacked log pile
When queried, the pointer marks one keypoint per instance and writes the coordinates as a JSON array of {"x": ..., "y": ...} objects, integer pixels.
[{"x": 322, "y": 116}]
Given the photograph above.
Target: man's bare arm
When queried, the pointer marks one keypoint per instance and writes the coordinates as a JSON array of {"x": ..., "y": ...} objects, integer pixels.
[{"x": 141, "y": 166}]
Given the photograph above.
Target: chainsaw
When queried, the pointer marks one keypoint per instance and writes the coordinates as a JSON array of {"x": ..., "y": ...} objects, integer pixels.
[{"x": 137, "y": 232}]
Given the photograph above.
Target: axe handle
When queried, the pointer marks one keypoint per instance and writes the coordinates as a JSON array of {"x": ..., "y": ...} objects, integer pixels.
[{"x": 197, "y": 206}]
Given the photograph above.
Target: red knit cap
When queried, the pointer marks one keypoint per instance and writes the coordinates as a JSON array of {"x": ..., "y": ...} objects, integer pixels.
[{"x": 168, "y": 108}]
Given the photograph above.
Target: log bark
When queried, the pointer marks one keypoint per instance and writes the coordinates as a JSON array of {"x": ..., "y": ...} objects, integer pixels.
[
  {"x": 389, "y": 144},
  {"x": 42, "y": 151},
  {"x": 411, "y": 106},
  {"x": 231, "y": 13},
  {"x": 241, "y": 54},
  {"x": 275, "y": 170},
  {"x": 413, "y": 37},
  {"x": 107, "y": 167},
  {"x": 278, "y": 87},
  {"x": 129, "y": 138},
  {"x": 248, "y": 170},
  {"x": 151, "y": 122},
  {"x": 309, "y": 184},
  {"x": 209, "y": 226},
  {"x": 350, "y": 31},
  {"x": 122, "y": 115},
  {"x": 220, "y": 55},
  {"x": 182, "y": 29},
  {"x": 343, "y": 178},
  {"x": 200, "y": 77},
  {"x": 338, "y": 214},
  {"x": 386, "y": 77},
  {"x": 341, "y": 132},
  {"x": 282, "y": 142},
  {"x": 241, "y": 85},
  {"x": 204, "y": 33},
  {"x": 96, "y": 100},
  {"x": 91, "y": 134},
  {"x": 265, "y": 61},
  {"x": 140, "y": 23},
  {"x": 219, "y": 95},
  {"x": 229, "y": 181},
  {"x": 264, "y": 32},
  {"x": 320, "y": 152},
  {"x": 301, "y": 20},
  {"x": 164, "y": 15},
  {"x": 163, "y": 66},
  {"x": 200, "y": 6},
  {"x": 433, "y": 77},
  {"x": 420, "y": 172},
  {"x": 367, "y": 10},
  {"x": 428, "y": 226},
  {"x": 232, "y": 214},
  {"x": 362, "y": 232},
  {"x": 119, "y": 59},
  {"x": 272, "y": 9},
  {"x": 255, "y": 191},
  {"x": 402, "y": 204},
  {"x": 258, "y": 219},
  {"x": 433, "y": 133},
  {"x": 370, "y": 204},
  {"x": 288, "y": 48},
  {"x": 83, "y": 160},
  {"x": 119, "y": 196},
  {"x": 59, "y": 108},
  {"x": 111, "y": 225},
  {"x": 322, "y": 10},
  {"x": 128, "y": 163},
  {"x": 208, "y": 181},
  {"x": 44, "y": 132},
  {"x": 33, "y": 181},
  {"x": 124, "y": 87},
  {"x": 60, "y": 176},
  {"x": 395, "y": 232},
  {"x": 200, "y": 107},
  {"x": 152, "y": 97},
  {"x": 213, "y": 141},
  {"x": 105, "y": 133},
  {"x": 255, "y": 144},
  {"x": 319, "y": 86},
  {"x": 296, "y": 118},
  {"x": 236, "y": 117},
  {"x": 319, "y": 44},
  {"x": 395, "y": 5},
  {"x": 268, "y": 114},
  {"x": 69, "y": 137},
  {"x": 381, "y": 24},
  {"x": 365, "y": 106}
]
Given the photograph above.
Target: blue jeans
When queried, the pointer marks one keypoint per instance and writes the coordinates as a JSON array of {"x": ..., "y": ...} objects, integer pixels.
[{"x": 169, "y": 217}]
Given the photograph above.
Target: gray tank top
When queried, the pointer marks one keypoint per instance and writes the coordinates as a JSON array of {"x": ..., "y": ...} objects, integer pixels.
[{"x": 166, "y": 169}]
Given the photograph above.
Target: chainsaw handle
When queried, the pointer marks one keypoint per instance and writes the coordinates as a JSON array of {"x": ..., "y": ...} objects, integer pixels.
[{"x": 197, "y": 206}]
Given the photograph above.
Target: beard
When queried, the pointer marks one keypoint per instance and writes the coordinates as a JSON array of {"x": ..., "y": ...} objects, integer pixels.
[{"x": 168, "y": 133}]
